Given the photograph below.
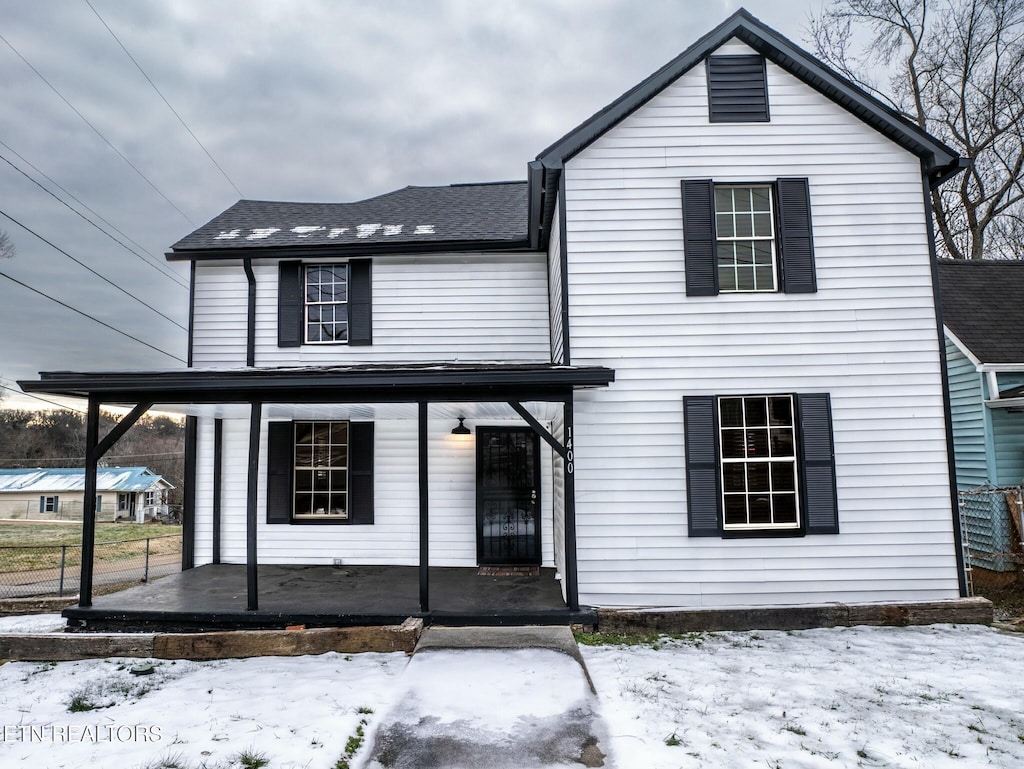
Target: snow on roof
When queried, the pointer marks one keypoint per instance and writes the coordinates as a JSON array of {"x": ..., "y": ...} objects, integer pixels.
[{"x": 51, "y": 479}]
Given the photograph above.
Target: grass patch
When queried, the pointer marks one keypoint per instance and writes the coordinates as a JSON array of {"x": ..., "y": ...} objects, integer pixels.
[
  {"x": 651, "y": 640},
  {"x": 251, "y": 759},
  {"x": 354, "y": 742},
  {"x": 38, "y": 544}
]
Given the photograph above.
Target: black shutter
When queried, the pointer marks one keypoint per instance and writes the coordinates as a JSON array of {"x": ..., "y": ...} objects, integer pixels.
[
  {"x": 360, "y": 304},
  {"x": 817, "y": 464},
  {"x": 280, "y": 439},
  {"x": 699, "y": 238},
  {"x": 796, "y": 246},
  {"x": 737, "y": 89},
  {"x": 289, "y": 304},
  {"x": 703, "y": 497},
  {"x": 360, "y": 472}
]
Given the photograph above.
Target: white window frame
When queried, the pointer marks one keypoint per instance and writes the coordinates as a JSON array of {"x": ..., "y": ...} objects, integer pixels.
[
  {"x": 316, "y": 467},
  {"x": 124, "y": 502},
  {"x": 734, "y": 239},
  {"x": 769, "y": 459},
  {"x": 51, "y": 503},
  {"x": 338, "y": 306},
  {"x": 149, "y": 499}
]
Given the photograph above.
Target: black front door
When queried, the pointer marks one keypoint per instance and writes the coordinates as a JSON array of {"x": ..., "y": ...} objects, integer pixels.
[{"x": 507, "y": 496}]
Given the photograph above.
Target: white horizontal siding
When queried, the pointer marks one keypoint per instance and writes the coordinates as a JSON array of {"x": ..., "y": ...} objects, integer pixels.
[
  {"x": 555, "y": 291},
  {"x": 449, "y": 307},
  {"x": 867, "y": 337},
  {"x": 394, "y": 536}
]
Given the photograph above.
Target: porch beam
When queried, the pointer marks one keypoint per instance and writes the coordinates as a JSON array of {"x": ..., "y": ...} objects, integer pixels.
[
  {"x": 92, "y": 455},
  {"x": 424, "y": 479},
  {"x": 123, "y": 426},
  {"x": 572, "y": 593},
  {"x": 538, "y": 428},
  {"x": 255, "y": 415}
]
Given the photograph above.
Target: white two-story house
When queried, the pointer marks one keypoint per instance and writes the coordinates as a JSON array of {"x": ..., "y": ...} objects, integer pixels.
[{"x": 692, "y": 361}]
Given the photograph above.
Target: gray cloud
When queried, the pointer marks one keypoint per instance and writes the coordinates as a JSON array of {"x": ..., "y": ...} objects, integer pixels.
[{"x": 326, "y": 101}]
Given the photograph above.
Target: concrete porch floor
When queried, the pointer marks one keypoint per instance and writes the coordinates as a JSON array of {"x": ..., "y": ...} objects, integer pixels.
[{"x": 214, "y": 597}]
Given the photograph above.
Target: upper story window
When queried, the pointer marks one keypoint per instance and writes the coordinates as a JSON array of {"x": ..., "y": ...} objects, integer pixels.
[
  {"x": 745, "y": 231},
  {"x": 737, "y": 89},
  {"x": 326, "y": 303},
  {"x": 741, "y": 237}
]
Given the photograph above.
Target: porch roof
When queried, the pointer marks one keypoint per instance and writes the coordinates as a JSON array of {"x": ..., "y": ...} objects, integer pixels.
[{"x": 367, "y": 383}]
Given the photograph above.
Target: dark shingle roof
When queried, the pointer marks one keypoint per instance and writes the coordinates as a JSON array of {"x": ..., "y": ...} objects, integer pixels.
[
  {"x": 983, "y": 304},
  {"x": 460, "y": 214}
]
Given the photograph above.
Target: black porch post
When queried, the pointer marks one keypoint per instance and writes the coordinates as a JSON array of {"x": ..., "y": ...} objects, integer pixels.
[
  {"x": 218, "y": 475},
  {"x": 424, "y": 507},
  {"x": 572, "y": 593},
  {"x": 92, "y": 436},
  {"x": 250, "y": 506},
  {"x": 188, "y": 507}
]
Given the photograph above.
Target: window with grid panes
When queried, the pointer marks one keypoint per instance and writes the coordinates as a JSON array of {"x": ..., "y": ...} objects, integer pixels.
[
  {"x": 326, "y": 303},
  {"x": 757, "y": 439},
  {"x": 321, "y": 470},
  {"x": 745, "y": 238}
]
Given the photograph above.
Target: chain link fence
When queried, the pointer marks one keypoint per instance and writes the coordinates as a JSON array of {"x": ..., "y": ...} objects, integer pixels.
[
  {"x": 35, "y": 570},
  {"x": 24, "y": 510},
  {"x": 990, "y": 518}
]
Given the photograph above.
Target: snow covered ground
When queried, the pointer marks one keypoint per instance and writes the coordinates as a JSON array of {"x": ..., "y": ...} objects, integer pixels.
[{"x": 939, "y": 696}]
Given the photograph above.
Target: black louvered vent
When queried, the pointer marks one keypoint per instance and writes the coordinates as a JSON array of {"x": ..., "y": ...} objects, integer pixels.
[{"x": 737, "y": 89}]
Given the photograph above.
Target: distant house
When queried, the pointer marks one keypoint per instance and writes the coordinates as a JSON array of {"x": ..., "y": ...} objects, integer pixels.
[
  {"x": 983, "y": 320},
  {"x": 56, "y": 493},
  {"x": 693, "y": 360}
]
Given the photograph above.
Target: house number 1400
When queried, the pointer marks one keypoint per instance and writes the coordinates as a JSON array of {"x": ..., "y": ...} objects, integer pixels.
[{"x": 568, "y": 451}]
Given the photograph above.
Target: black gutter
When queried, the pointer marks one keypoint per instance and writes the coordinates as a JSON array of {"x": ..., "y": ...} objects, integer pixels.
[
  {"x": 250, "y": 328},
  {"x": 329, "y": 250}
]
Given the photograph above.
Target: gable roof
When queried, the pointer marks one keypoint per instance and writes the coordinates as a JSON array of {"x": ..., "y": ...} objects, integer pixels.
[
  {"x": 983, "y": 305},
  {"x": 940, "y": 161},
  {"x": 70, "y": 479},
  {"x": 457, "y": 216}
]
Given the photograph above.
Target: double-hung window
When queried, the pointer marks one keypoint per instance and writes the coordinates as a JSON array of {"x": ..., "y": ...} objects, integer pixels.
[
  {"x": 757, "y": 442},
  {"x": 321, "y": 470},
  {"x": 49, "y": 504},
  {"x": 747, "y": 237},
  {"x": 326, "y": 303},
  {"x": 759, "y": 465},
  {"x": 745, "y": 230}
]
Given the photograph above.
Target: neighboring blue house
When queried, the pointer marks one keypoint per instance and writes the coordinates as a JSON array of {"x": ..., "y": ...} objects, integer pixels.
[{"x": 983, "y": 319}]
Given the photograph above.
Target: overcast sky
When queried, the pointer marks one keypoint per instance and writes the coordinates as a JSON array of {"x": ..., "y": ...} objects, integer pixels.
[{"x": 328, "y": 100}]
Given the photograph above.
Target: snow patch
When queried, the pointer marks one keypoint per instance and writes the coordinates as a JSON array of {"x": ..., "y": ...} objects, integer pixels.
[
  {"x": 393, "y": 229},
  {"x": 336, "y": 231},
  {"x": 32, "y": 623},
  {"x": 306, "y": 230},
  {"x": 366, "y": 230},
  {"x": 424, "y": 229},
  {"x": 259, "y": 233},
  {"x": 228, "y": 235}
]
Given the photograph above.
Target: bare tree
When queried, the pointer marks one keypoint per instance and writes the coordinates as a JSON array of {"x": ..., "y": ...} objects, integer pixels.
[
  {"x": 6, "y": 246},
  {"x": 956, "y": 69}
]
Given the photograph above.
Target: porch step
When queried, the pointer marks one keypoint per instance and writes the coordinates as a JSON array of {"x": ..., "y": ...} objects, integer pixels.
[{"x": 492, "y": 698}]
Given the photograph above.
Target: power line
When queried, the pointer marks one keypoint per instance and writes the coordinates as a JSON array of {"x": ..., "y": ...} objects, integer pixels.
[
  {"x": 158, "y": 93},
  {"x": 97, "y": 131},
  {"x": 90, "y": 317},
  {"x": 155, "y": 265},
  {"x": 90, "y": 269},
  {"x": 44, "y": 400}
]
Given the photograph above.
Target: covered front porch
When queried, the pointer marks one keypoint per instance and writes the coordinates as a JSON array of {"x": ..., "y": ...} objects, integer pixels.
[
  {"x": 246, "y": 519},
  {"x": 213, "y": 597}
]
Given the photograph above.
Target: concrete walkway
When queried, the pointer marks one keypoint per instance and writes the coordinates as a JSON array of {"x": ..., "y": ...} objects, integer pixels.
[{"x": 493, "y": 698}]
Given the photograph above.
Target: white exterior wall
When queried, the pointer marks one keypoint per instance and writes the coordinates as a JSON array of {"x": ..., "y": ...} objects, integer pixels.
[
  {"x": 448, "y": 307},
  {"x": 394, "y": 536},
  {"x": 868, "y": 337}
]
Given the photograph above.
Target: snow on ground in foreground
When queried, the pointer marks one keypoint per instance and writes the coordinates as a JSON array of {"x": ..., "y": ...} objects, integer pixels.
[
  {"x": 935, "y": 697},
  {"x": 32, "y": 623},
  {"x": 921, "y": 698},
  {"x": 298, "y": 711}
]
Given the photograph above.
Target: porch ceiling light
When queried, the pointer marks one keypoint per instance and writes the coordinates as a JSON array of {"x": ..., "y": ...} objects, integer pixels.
[{"x": 461, "y": 429}]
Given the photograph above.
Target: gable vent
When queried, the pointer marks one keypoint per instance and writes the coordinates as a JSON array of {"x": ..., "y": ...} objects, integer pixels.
[{"x": 737, "y": 89}]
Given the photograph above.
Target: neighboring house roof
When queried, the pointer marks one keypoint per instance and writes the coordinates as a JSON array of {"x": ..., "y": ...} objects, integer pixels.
[
  {"x": 983, "y": 306},
  {"x": 416, "y": 217},
  {"x": 70, "y": 479}
]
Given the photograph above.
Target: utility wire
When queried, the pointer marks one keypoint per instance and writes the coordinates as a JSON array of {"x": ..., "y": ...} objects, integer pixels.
[
  {"x": 90, "y": 317},
  {"x": 44, "y": 400},
  {"x": 90, "y": 269},
  {"x": 158, "y": 93},
  {"x": 151, "y": 262},
  {"x": 97, "y": 131}
]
